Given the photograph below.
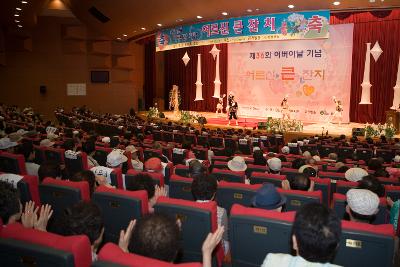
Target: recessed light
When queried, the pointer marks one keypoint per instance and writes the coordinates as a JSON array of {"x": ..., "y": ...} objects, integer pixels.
[
  {"x": 125, "y": 35},
  {"x": 18, "y": 8},
  {"x": 24, "y": 2},
  {"x": 290, "y": 6},
  {"x": 336, "y": 3},
  {"x": 179, "y": 20},
  {"x": 17, "y": 21},
  {"x": 118, "y": 38},
  {"x": 225, "y": 13},
  {"x": 249, "y": 10},
  {"x": 159, "y": 24},
  {"x": 257, "y": 9},
  {"x": 19, "y": 25},
  {"x": 16, "y": 15},
  {"x": 199, "y": 17},
  {"x": 143, "y": 28}
]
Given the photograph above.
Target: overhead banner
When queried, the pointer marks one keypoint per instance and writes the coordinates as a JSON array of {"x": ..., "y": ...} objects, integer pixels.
[
  {"x": 284, "y": 26},
  {"x": 310, "y": 72}
]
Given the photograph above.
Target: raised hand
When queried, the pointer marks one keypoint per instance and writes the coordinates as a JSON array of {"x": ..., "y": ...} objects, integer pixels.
[
  {"x": 45, "y": 214},
  {"x": 29, "y": 216},
  {"x": 125, "y": 236}
]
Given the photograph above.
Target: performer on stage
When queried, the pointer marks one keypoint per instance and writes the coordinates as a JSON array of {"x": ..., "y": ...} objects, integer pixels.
[
  {"x": 285, "y": 108},
  {"x": 229, "y": 103},
  {"x": 233, "y": 108},
  {"x": 338, "y": 115},
  {"x": 220, "y": 105}
]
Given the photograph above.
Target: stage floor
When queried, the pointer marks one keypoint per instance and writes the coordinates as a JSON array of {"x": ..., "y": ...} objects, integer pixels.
[{"x": 220, "y": 121}]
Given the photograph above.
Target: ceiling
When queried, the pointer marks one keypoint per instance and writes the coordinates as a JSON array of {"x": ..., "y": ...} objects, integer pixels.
[{"x": 128, "y": 17}]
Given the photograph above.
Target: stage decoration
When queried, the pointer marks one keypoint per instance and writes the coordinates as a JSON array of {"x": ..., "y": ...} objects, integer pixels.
[
  {"x": 186, "y": 59},
  {"x": 174, "y": 99},
  {"x": 376, "y": 51},
  {"x": 275, "y": 125},
  {"x": 396, "y": 88},
  {"x": 217, "y": 82},
  {"x": 199, "y": 84},
  {"x": 153, "y": 113},
  {"x": 192, "y": 117},
  {"x": 376, "y": 130},
  {"x": 266, "y": 27}
]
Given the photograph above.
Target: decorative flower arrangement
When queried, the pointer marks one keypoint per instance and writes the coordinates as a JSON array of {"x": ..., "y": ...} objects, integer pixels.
[
  {"x": 375, "y": 130},
  {"x": 296, "y": 23},
  {"x": 192, "y": 117},
  {"x": 279, "y": 125},
  {"x": 153, "y": 113}
]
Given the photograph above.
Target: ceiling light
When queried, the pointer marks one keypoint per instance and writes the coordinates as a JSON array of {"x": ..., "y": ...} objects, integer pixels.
[
  {"x": 290, "y": 6},
  {"x": 125, "y": 35},
  {"x": 17, "y": 21},
  {"x": 16, "y": 15},
  {"x": 336, "y": 3},
  {"x": 159, "y": 24},
  {"x": 18, "y": 8},
  {"x": 179, "y": 20},
  {"x": 225, "y": 13},
  {"x": 19, "y": 25},
  {"x": 143, "y": 28},
  {"x": 249, "y": 10},
  {"x": 257, "y": 9},
  {"x": 199, "y": 17},
  {"x": 118, "y": 38},
  {"x": 24, "y": 2}
]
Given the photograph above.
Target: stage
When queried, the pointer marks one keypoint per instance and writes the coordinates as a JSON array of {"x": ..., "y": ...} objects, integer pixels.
[{"x": 219, "y": 121}]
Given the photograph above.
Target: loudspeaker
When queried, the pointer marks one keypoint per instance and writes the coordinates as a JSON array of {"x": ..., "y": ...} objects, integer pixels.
[
  {"x": 358, "y": 132},
  {"x": 43, "y": 89}
]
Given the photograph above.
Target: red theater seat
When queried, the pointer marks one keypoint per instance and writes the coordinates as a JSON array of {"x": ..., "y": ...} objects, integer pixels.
[
  {"x": 29, "y": 247},
  {"x": 201, "y": 153},
  {"x": 323, "y": 185},
  {"x": 260, "y": 178},
  {"x": 119, "y": 207},
  {"x": 158, "y": 178},
  {"x": 255, "y": 168},
  {"x": 297, "y": 198},
  {"x": 151, "y": 153},
  {"x": 180, "y": 187},
  {"x": 54, "y": 154},
  {"x": 12, "y": 163},
  {"x": 182, "y": 170},
  {"x": 76, "y": 164},
  {"x": 253, "y": 233},
  {"x": 198, "y": 219},
  {"x": 229, "y": 176},
  {"x": 229, "y": 193},
  {"x": 111, "y": 253},
  {"x": 28, "y": 188},
  {"x": 343, "y": 186}
]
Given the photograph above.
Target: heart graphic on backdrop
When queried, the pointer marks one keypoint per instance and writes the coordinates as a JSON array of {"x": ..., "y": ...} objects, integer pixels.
[{"x": 308, "y": 90}]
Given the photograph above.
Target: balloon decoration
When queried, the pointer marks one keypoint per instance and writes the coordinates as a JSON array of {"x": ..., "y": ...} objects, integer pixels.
[
  {"x": 217, "y": 82},
  {"x": 199, "y": 84}
]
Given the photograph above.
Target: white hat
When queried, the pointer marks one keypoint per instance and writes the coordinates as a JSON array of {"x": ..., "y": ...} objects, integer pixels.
[
  {"x": 285, "y": 150},
  {"x": 52, "y": 136},
  {"x": 255, "y": 148},
  {"x": 355, "y": 174},
  {"x": 317, "y": 158},
  {"x": 307, "y": 154},
  {"x": 105, "y": 139},
  {"x": 300, "y": 143},
  {"x": 362, "y": 201},
  {"x": 302, "y": 168},
  {"x": 237, "y": 164},
  {"x": 46, "y": 142},
  {"x": 274, "y": 164},
  {"x": 114, "y": 158},
  {"x": 396, "y": 159},
  {"x": 7, "y": 143},
  {"x": 131, "y": 149},
  {"x": 75, "y": 132}
]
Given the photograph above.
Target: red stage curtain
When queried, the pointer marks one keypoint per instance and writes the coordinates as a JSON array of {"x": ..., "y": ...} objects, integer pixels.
[
  {"x": 149, "y": 86},
  {"x": 185, "y": 77},
  {"x": 369, "y": 27}
]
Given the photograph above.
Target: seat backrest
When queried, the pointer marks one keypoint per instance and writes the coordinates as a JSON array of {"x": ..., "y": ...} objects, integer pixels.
[
  {"x": 28, "y": 186},
  {"x": 168, "y": 136},
  {"x": 231, "y": 143},
  {"x": 76, "y": 163},
  {"x": 20, "y": 246},
  {"x": 343, "y": 186},
  {"x": 339, "y": 205},
  {"x": 229, "y": 193},
  {"x": 296, "y": 198},
  {"x": 182, "y": 170},
  {"x": 289, "y": 172},
  {"x": 179, "y": 155},
  {"x": 158, "y": 178},
  {"x": 202, "y": 140},
  {"x": 151, "y": 153},
  {"x": 323, "y": 185},
  {"x": 216, "y": 141},
  {"x": 198, "y": 219},
  {"x": 386, "y": 154},
  {"x": 111, "y": 253},
  {"x": 100, "y": 155},
  {"x": 219, "y": 158},
  {"x": 345, "y": 152},
  {"x": 180, "y": 187},
  {"x": 332, "y": 175},
  {"x": 253, "y": 233},
  {"x": 245, "y": 147},
  {"x": 366, "y": 245},
  {"x": 229, "y": 176},
  {"x": 364, "y": 153},
  {"x": 220, "y": 165},
  {"x": 393, "y": 192},
  {"x": 39, "y": 154},
  {"x": 54, "y": 154},
  {"x": 255, "y": 168},
  {"x": 113, "y": 175},
  {"x": 260, "y": 178},
  {"x": 325, "y": 150},
  {"x": 118, "y": 208},
  {"x": 61, "y": 194},
  {"x": 201, "y": 153},
  {"x": 12, "y": 163}
]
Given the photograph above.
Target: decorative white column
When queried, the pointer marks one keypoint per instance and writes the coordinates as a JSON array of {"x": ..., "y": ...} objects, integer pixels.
[
  {"x": 199, "y": 85},
  {"x": 217, "y": 82},
  {"x": 396, "y": 88}
]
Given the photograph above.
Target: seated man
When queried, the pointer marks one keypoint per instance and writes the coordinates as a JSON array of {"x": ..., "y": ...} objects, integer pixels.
[
  {"x": 155, "y": 165},
  {"x": 300, "y": 181},
  {"x": 196, "y": 168},
  {"x": 204, "y": 188},
  {"x": 267, "y": 197},
  {"x": 362, "y": 205},
  {"x": 275, "y": 165},
  {"x": 316, "y": 236}
]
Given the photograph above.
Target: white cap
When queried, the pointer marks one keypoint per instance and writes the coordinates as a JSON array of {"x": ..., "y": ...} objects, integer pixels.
[
  {"x": 307, "y": 154},
  {"x": 46, "y": 142},
  {"x": 114, "y": 158},
  {"x": 131, "y": 148},
  {"x": 285, "y": 150},
  {"x": 255, "y": 148},
  {"x": 317, "y": 158},
  {"x": 105, "y": 139},
  {"x": 362, "y": 201},
  {"x": 274, "y": 164},
  {"x": 397, "y": 159},
  {"x": 355, "y": 174},
  {"x": 75, "y": 132},
  {"x": 237, "y": 164},
  {"x": 7, "y": 143}
]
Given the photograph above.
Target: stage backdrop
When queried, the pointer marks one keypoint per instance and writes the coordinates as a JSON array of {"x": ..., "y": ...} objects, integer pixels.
[{"x": 311, "y": 72}]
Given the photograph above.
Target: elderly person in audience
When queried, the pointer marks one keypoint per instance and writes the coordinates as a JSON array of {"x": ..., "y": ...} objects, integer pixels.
[
  {"x": 306, "y": 155},
  {"x": 274, "y": 165},
  {"x": 355, "y": 174},
  {"x": 237, "y": 164},
  {"x": 362, "y": 205},
  {"x": 300, "y": 181},
  {"x": 196, "y": 168},
  {"x": 155, "y": 165},
  {"x": 136, "y": 163},
  {"x": 204, "y": 189},
  {"x": 267, "y": 197},
  {"x": 285, "y": 150},
  {"x": 315, "y": 239}
]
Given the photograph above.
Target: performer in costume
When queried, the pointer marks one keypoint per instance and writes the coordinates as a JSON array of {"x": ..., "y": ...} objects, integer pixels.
[
  {"x": 229, "y": 103},
  {"x": 285, "y": 108},
  {"x": 233, "y": 108},
  {"x": 220, "y": 105},
  {"x": 338, "y": 115}
]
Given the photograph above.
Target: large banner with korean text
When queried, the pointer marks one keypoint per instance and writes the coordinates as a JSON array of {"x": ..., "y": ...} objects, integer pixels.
[
  {"x": 310, "y": 72},
  {"x": 283, "y": 26}
]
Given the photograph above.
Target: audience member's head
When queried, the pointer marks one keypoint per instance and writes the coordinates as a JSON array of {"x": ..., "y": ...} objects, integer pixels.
[
  {"x": 85, "y": 175},
  {"x": 115, "y": 159},
  {"x": 156, "y": 236},
  {"x": 371, "y": 183},
  {"x": 153, "y": 165},
  {"x": 342, "y": 169},
  {"x": 10, "y": 205},
  {"x": 282, "y": 158},
  {"x": 301, "y": 182},
  {"x": 26, "y": 148},
  {"x": 306, "y": 155},
  {"x": 237, "y": 164},
  {"x": 114, "y": 142},
  {"x": 133, "y": 150},
  {"x": 316, "y": 233},
  {"x": 285, "y": 150},
  {"x": 258, "y": 157},
  {"x": 362, "y": 205},
  {"x": 267, "y": 197},
  {"x": 196, "y": 168},
  {"x": 374, "y": 164},
  {"x": 297, "y": 163},
  {"x": 381, "y": 173},
  {"x": 69, "y": 144},
  {"x": 204, "y": 187},
  {"x": 274, "y": 165},
  {"x": 333, "y": 156},
  {"x": 49, "y": 169},
  {"x": 47, "y": 143},
  {"x": 89, "y": 147},
  {"x": 355, "y": 174},
  {"x": 308, "y": 171}
]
